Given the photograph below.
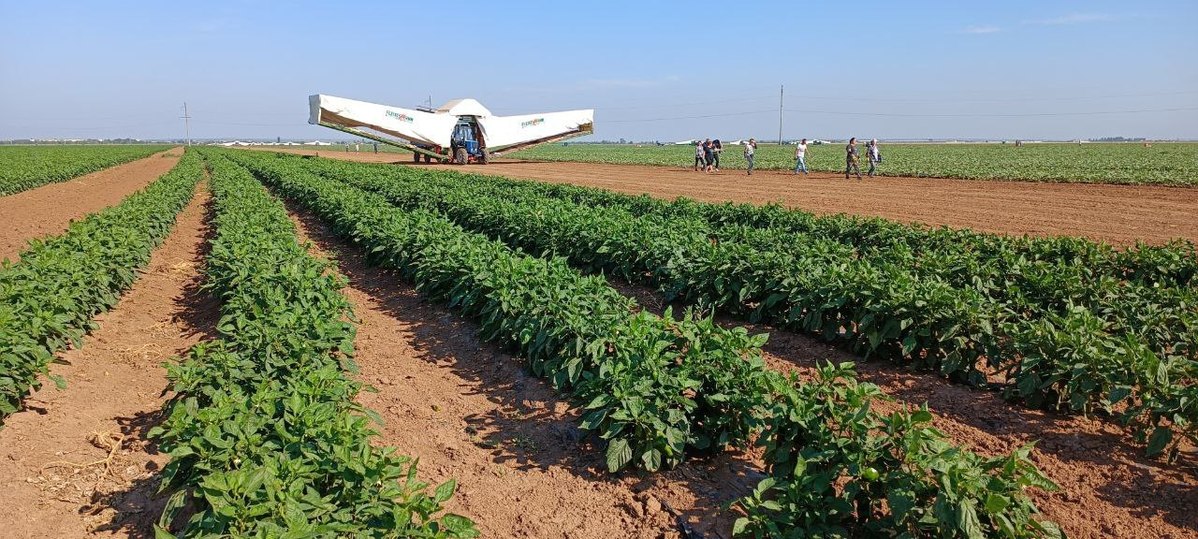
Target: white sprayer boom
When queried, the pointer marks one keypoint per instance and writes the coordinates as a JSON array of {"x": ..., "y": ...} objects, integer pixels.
[{"x": 459, "y": 124}]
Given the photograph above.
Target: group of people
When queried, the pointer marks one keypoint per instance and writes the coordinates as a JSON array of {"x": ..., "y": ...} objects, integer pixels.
[
  {"x": 707, "y": 156},
  {"x": 850, "y": 158}
]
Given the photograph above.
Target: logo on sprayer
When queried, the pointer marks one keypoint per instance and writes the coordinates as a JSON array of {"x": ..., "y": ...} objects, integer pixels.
[
  {"x": 533, "y": 122},
  {"x": 400, "y": 116}
]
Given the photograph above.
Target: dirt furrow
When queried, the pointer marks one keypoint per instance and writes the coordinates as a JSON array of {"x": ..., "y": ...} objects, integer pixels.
[
  {"x": 49, "y": 209},
  {"x": 76, "y": 462},
  {"x": 470, "y": 411}
]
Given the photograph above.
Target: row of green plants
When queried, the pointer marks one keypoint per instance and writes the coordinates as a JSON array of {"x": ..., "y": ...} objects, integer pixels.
[
  {"x": 26, "y": 167},
  {"x": 49, "y": 297},
  {"x": 263, "y": 434},
  {"x": 1054, "y": 340},
  {"x": 654, "y": 388},
  {"x": 838, "y": 466},
  {"x": 1170, "y": 265},
  {"x": 1160, "y": 163}
]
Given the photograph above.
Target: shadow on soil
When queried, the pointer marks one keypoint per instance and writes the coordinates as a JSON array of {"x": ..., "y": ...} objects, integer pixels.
[
  {"x": 530, "y": 426},
  {"x": 137, "y": 506}
]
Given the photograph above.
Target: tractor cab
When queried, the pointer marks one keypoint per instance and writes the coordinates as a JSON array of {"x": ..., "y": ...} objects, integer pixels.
[{"x": 466, "y": 144}]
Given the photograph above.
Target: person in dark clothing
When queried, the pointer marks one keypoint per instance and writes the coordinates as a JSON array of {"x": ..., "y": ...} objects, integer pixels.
[
  {"x": 716, "y": 149},
  {"x": 708, "y": 155},
  {"x": 850, "y": 159}
]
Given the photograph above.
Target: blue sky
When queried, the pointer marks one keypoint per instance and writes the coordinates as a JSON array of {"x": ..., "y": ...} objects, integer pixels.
[{"x": 652, "y": 70}]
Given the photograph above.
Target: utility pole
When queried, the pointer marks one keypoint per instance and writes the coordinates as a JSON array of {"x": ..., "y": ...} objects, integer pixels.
[
  {"x": 186, "y": 123},
  {"x": 781, "y": 94}
]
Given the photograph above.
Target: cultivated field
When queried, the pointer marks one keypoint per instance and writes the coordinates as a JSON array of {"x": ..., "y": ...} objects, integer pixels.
[
  {"x": 25, "y": 167},
  {"x": 1120, "y": 163},
  {"x": 562, "y": 359}
]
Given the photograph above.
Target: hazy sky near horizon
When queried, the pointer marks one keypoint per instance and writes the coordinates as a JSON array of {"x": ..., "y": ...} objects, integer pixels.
[{"x": 652, "y": 70}]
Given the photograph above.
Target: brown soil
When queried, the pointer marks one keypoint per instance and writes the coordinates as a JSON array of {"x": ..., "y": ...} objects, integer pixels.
[
  {"x": 76, "y": 462},
  {"x": 1108, "y": 489},
  {"x": 1119, "y": 214},
  {"x": 49, "y": 209},
  {"x": 471, "y": 412}
]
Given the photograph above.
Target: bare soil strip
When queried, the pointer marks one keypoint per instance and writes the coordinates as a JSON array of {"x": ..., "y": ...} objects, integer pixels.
[
  {"x": 470, "y": 411},
  {"x": 77, "y": 463},
  {"x": 1118, "y": 214},
  {"x": 49, "y": 209},
  {"x": 1108, "y": 489}
]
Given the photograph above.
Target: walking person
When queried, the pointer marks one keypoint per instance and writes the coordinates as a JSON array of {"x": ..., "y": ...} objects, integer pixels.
[
  {"x": 717, "y": 148},
  {"x": 850, "y": 159},
  {"x": 708, "y": 155},
  {"x": 801, "y": 157},
  {"x": 699, "y": 162},
  {"x": 875, "y": 156},
  {"x": 750, "y": 151}
]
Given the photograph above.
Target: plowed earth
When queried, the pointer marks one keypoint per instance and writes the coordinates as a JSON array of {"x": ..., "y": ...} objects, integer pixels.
[{"x": 76, "y": 462}]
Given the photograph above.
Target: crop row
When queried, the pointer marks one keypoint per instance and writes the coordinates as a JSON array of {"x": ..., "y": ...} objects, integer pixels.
[
  {"x": 49, "y": 297},
  {"x": 1126, "y": 347},
  {"x": 263, "y": 434},
  {"x": 837, "y": 465},
  {"x": 26, "y": 167},
  {"x": 654, "y": 388},
  {"x": 1160, "y": 163}
]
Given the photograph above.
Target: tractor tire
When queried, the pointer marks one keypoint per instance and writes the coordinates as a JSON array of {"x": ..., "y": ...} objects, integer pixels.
[
  {"x": 486, "y": 158},
  {"x": 415, "y": 157},
  {"x": 459, "y": 156},
  {"x": 428, "y": 158}
]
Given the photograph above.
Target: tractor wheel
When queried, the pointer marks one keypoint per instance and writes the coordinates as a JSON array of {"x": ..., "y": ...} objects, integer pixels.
[
  {"x": 415, "y": 157},
  {"x": 486, "y": 158},
  {"x": 428, "y": 158},
  {"x": 459, "y": 156}
]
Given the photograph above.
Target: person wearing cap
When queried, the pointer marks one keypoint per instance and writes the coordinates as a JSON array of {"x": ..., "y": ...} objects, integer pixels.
[
  {"x": 875, "y": 156},
  {"x": 750, "y": 150},
  {"x": 801, "y": 157}
]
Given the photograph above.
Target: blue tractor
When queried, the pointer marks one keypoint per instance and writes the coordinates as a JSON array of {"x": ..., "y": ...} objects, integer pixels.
[{"x": 467, "y": 144}]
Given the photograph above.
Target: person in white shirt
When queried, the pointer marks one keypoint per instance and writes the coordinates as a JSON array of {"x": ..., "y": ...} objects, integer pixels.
[
  {"x": 750, "y": 149},
  {"x": 875, "y": 156},
  {"x": 801, "y": 157}
]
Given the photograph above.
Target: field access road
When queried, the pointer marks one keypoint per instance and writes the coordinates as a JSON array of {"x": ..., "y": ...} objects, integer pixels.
[
  {"x": 1119, "y": 214},
  {"x": 49, "y": 209}
]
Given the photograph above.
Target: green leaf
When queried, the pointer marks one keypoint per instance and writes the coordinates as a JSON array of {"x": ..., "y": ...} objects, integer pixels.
[
  {"x": 1159, "y": 439},
  {"x": 445, "y": 491},
  {"x": 619, "y": 454}
]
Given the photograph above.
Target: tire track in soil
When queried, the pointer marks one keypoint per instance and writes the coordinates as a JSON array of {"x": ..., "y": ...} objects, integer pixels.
[
  {"x": 470, "y": 411},
  {"x": 1119, "y": 214},
  {"x": 49, "y": 209},
  {"x": 116, "y": 388},
  {"x": 1108, "y": 489}
]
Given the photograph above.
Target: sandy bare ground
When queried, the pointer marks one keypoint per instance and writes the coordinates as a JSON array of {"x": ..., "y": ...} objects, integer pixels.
[
  {"x": 49, "y": 209},
  {"x": 76, "y": 462},
  {"x": 1119, "y": 214},
  {"x": 470, "y": 411}
]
